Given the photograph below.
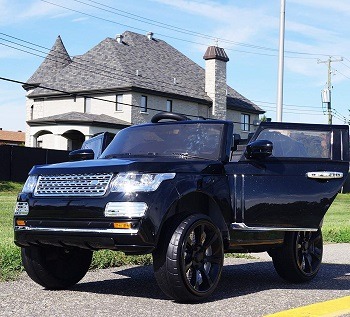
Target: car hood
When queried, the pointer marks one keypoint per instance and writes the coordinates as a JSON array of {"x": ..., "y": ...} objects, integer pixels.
[{"x": 144, "y": 165}]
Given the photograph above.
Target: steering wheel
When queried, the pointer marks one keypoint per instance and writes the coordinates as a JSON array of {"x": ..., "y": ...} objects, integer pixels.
[{"x": 170, "y": 116}]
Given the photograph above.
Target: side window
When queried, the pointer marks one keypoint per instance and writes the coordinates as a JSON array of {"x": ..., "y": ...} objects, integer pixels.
[
  {"x": 169, "y": 105},
  {"x": 245, "y": 122},
  {"x": 119, "y": 103},
  {"x": 143, "y": 103},
  {"x": 298, "y": 143},
  {"x": 87, "y": 104}
]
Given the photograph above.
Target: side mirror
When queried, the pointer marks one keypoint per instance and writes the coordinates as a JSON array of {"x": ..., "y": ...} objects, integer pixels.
[
  {"x": 81, "y": 155},
  {"x": 258, "y": 149}
]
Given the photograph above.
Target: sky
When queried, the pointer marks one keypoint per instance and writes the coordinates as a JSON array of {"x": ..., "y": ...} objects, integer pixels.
[{"x": 248, "y": 30}]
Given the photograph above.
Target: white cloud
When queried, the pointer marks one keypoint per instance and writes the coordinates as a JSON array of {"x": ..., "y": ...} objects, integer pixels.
[
  {"x": 80, "y": 19},
  {"x": 38, "y": 9},
  {"x": 8, "y": 52},
  {"x": 21, "y": 11},
  {"x": 18, "y": 11},
  {"x": 231, "y": 24},
  {"x": 339, "y": 6}
]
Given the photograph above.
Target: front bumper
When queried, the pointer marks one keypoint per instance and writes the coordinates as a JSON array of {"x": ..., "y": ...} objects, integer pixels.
[
  {"x": 85, "y": 234},
  {"x": 130, "y": 242}
]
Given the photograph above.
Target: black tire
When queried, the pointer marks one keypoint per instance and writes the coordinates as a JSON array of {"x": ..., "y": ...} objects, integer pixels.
[
  {"x": 188, "y": 265},
  {"x": 300, "y": 258},
  {"x": 54, "y": 267}
]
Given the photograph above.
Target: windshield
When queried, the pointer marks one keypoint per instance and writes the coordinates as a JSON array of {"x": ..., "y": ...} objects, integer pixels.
[{"x": 200, "y": 140}]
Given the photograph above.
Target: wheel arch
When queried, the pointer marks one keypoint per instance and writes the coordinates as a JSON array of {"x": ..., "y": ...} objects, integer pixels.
[{"x": 193, "y": 203}]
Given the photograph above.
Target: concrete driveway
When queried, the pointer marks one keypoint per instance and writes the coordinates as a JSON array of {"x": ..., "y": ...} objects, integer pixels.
[{"x": 248, "y": 287}]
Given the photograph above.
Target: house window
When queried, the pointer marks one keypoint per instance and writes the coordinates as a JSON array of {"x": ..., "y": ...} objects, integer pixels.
[
  {"x": 119, "y": 103},
  {"x": 143, "y": 103},
  {"x": 32, "y": 112},
  {"x": 169, "y": 105},
  {"x": 87, "y": 105},
  {"x": 245, "y": 122}
]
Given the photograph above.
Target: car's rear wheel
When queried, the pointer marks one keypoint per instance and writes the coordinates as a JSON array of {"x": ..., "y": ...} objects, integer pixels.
[
  {"x": 55, "y": 267},
  {"x": 300, "y": 258},
  {"x": 188, "y": 266}
]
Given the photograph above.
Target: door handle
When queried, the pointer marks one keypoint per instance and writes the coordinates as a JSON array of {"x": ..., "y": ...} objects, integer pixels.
[{"x": 324, "y": 175}]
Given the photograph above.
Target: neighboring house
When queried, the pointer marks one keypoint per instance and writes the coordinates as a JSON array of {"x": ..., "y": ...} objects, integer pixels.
[
  {"x": 12, "y": 137},
  {"x": 132, "y": 69}
]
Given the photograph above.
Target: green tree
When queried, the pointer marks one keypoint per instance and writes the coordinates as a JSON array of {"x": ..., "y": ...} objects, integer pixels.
[{"x": 263, "y": 118}]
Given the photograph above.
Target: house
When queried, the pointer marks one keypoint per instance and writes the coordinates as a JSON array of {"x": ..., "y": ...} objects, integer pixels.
[
  {"x": 124, "y": 81},
  {"x": 12, "y": 137}
]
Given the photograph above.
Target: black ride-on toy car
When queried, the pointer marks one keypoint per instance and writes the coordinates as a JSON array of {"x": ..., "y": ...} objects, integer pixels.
[{"x": 185, "y": 191}]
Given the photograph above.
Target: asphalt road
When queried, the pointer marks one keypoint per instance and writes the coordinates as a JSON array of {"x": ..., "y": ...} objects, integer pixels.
[{"x": 248, "y": 287}]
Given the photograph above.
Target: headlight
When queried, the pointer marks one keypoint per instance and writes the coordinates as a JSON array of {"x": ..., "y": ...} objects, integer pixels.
[
  {"x": 134, "y": 182},
  {"x": 30, "y": 184}
]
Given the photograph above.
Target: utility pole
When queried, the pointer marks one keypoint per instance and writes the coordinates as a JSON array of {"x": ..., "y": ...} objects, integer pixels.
[
  {"x": 281, "y": 63},
  {"x": 326, "y": 93}
]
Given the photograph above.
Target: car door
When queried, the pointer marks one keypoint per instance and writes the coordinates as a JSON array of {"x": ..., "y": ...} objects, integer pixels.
[{"x": 294, "y": 187}]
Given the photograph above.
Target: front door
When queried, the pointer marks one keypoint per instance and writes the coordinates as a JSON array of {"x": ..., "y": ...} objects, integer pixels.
[{"x": 294, "y": 187}]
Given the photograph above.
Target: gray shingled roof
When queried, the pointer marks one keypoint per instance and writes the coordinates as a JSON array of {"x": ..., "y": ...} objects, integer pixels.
[
  {"x": 55, "y": 61},
  {"x": 139, "y": 64},
  {"x": 78, "y": 118}
]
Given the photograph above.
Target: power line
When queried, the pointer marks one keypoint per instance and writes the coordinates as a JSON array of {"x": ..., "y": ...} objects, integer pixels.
[
  {"x": 167, "y": 26},
  {"x": 182, "y": 30},
  {"x": 177, "y": 29},
  {"x": 287, "y": 105},
  {"x": 294, "y": 111},
  {"x": 345, "y": 64},
  {"x": 339, "y": 115},
  {"x": 143, "y": 30},
  {"x": 342, "y": 73}
]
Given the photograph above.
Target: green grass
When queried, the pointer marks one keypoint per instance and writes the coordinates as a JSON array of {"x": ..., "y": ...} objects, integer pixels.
[
  {"x": 336, "y": 225},
  {"x": 336, "y": 228},
  {"x": 10, "y": 187},
  {"x": 10, "y": 262}
]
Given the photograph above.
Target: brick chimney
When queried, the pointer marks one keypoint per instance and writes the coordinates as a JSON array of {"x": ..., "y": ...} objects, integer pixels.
[{"x": 215, "y": 79}]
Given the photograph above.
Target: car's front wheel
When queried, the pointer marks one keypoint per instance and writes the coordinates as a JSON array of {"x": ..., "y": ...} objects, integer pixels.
[
  {"x": 300, "y": 258},
  {"x": 55, "y": 267},
  {"x": 188, "y": 266}
]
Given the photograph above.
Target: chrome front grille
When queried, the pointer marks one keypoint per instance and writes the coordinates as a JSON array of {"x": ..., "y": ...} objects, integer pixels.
[{"x": 95, "y": 184}]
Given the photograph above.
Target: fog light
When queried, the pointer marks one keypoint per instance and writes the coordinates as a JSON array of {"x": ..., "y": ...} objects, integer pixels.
[
  {"x": 20, "y": 222},
  {"x": 21, "y": 209},
  {"x": 122, "y": 225},
  {"x": 126, "y": 209}
]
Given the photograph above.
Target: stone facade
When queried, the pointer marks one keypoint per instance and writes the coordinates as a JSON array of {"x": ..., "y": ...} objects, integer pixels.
[{"x": 215, "y": 87}]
